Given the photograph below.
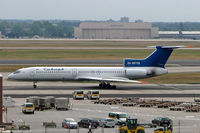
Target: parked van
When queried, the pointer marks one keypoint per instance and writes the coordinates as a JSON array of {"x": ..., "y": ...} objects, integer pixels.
[
  {"x": 119, "y": 117},
  {"x": 28, "y": 108},
  {"x": 93, "y": 94},
  {"x": 78, "y": 94}
]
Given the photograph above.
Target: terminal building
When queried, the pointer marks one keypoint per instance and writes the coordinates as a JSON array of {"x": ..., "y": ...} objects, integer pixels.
[
  {"x": 180, "y": 34},
  {"x": 115, "y": 30}
]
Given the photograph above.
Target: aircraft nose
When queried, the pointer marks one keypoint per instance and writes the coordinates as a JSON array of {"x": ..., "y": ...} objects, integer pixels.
[{"x": 10, "y": 76}]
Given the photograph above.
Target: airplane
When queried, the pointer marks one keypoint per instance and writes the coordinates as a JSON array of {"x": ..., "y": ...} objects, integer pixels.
[{"x": 133, "y": 69}]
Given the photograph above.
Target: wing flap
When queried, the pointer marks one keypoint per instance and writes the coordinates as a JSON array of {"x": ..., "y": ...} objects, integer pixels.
[{"x": 109, "y": 79}]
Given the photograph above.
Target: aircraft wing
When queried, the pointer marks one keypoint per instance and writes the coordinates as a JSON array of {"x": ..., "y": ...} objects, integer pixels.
[{"x": 109, "y": 79}]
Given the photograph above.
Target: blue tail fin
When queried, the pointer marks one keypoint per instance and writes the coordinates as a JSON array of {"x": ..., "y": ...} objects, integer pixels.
[{"x": 157, "y": 59}]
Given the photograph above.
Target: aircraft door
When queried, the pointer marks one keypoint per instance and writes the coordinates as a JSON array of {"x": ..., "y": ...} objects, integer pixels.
[
  {"x": 74, "y": 72},
  {"x": 98, "y": 72},
  {"x": 125, "y": 72},
  {"x": 32, "y": 74}
]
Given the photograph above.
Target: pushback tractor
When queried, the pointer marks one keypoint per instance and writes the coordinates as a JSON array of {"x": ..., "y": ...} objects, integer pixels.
[{"x": 131, "y": 126}]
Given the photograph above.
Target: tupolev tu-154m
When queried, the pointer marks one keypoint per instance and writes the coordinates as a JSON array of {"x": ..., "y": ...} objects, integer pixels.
[{"x": 133, "y": 69}]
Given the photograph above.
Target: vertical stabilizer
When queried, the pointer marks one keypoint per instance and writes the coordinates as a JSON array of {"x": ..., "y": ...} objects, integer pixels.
[{"x": 156, "y": 59}]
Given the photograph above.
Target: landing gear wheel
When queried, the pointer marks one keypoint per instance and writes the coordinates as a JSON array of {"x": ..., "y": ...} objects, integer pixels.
[
  {"x": 101, "y": 85},
  {"x": 113, "y": 87},
  {"x": 106, "y": 86},
  {"x": 140, "y": 131},
  {"x": 34, "y": 86}
]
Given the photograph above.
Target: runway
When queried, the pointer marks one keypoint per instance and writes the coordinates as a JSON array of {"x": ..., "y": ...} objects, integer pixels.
[
  {"x": 89, "y": 62},
  {"x": 86, "y": 86},
  {"x": 123, "y": 90}
]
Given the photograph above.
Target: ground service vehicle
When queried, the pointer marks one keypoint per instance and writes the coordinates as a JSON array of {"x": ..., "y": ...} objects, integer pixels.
[
  {"x": 28, "y": 108},
  {"x": 50, "y": 124},
  {"x": 86, "y": 121},
  {"x": 69, "y": 123},
  {"x": 78, "y": 94},
  {"x": 62, "y": 103},
  {"x": 24, "y": 127},
  {"x": 161, "y": 121},
  {"x": 162, "y": 130},
  {"x": 131, "y": 126},
  {"x": 93, "y": 94},
  {"x": 106, "y": 122},
  {"x": 119, "y": 117},
  {"x": 34, "y": 100},
  {"x": 165, "y": 128}
]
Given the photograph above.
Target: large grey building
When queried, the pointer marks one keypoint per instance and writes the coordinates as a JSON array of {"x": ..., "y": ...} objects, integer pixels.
[
  {"x": 115, "y": 30},
  {"x": 180, "y": 34}
]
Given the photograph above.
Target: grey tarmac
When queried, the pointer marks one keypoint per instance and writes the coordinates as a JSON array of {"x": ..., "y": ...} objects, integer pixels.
[
  {"x": 86, "y": 109},
  {"x": 123, "y": 90}
]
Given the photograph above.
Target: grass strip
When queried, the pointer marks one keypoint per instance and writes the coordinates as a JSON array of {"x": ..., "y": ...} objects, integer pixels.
[{"x": 92, "y": 54}]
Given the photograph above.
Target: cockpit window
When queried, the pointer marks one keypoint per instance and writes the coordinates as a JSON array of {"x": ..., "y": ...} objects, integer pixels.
[{"x": 16, "y": 72}]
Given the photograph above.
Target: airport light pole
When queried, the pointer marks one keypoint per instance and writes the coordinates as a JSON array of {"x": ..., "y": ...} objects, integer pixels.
[
  {"x": 1, "y": 99},
  {"x": 69, "y": 128}
]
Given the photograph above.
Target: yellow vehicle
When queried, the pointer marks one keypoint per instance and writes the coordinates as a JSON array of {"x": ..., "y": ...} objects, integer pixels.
[
  {"x": 28, "y": 108},
  {"x": 93, "y": 94},
  {"x": 78, "y": 94},
  {"x": 162, "y": 130},
  {"x": 131, "y": 126}
]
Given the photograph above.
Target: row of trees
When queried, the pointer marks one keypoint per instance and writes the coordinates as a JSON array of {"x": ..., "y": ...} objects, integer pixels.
[
  {"x": 185, "y": 26},
  {"x": 65, "y": 29},
  {"x": 45, "y": 29}
]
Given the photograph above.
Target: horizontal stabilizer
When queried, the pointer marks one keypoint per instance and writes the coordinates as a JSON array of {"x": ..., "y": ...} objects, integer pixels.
[{"x": 170, "y": 47}]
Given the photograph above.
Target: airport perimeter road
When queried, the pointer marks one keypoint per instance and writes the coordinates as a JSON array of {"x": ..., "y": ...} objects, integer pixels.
[{"x": 89, "y": 62}]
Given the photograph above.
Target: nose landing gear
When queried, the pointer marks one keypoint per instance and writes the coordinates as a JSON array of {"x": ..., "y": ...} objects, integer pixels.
[{"x": 34, "y": 84}]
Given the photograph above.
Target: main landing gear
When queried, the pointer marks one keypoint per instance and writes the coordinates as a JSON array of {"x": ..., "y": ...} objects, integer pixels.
[
  {"x": 34, "y": 84},
  {"x": 104, "y": 85}
]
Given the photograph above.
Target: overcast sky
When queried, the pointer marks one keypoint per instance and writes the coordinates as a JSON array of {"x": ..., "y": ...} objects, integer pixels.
[{"x": 147, "y": 10}]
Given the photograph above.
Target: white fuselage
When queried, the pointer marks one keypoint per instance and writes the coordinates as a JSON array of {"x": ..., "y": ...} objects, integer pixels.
[{"x": 72, "y": 73}]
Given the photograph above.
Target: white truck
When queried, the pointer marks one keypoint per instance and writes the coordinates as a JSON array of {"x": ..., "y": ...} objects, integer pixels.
[
  {"x": 118, "y": 117},
  {"x": 62, "y": 103},
  {"x": 8, "y": 102}
]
